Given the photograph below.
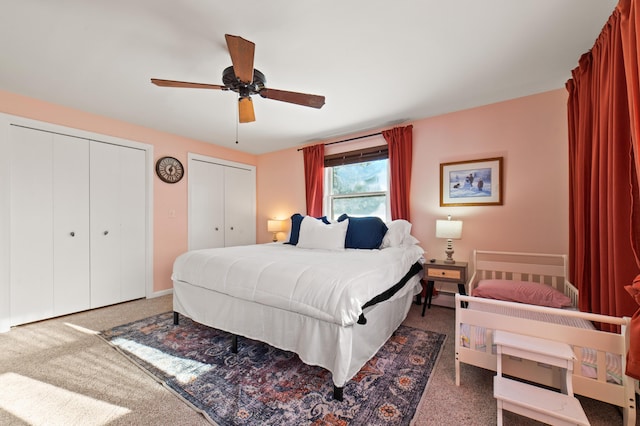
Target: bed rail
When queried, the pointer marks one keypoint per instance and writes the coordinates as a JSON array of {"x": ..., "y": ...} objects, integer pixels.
[{"x": 621, "y": 321}]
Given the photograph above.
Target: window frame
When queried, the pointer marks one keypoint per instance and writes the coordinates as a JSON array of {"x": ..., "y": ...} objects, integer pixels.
[{"x": 353, "y": 157}]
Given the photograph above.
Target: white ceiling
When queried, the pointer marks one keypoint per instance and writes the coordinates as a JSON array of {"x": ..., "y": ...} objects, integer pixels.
[{"x": 378, "y": 62}]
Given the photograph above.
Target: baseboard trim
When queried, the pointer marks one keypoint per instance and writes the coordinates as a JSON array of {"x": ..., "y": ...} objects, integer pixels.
[
  {"x": 160, "y": 293},
  {"x": 444, "y": 299}
]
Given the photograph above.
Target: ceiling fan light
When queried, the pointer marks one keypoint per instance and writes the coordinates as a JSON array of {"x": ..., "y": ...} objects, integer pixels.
[{"x": 245, "y": 110}]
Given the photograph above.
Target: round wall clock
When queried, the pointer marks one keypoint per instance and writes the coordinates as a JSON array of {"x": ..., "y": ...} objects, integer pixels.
[{"x": 169, "y": 169}]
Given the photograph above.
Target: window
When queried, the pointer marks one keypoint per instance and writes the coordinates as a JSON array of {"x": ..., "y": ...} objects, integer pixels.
[{"x": 357, "y": 183}]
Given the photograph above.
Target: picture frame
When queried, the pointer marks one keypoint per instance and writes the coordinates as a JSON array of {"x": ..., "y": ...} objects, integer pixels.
[{"x": 471, "y": 183}]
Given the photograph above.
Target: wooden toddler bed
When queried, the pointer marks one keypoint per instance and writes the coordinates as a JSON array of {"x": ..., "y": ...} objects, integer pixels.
[{"x": 515, "y": 279}]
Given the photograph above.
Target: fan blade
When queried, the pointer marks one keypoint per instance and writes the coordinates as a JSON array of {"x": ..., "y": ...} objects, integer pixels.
[
  {"x": 173, "y": 83},
  {"x": 245, "y": 110},
  {"x": 242, "y": 52},
  {"x": 314, "y": 101}
]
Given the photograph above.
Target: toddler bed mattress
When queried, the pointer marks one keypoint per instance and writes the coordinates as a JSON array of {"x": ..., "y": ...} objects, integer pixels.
[{"x": 588, "y": 358}]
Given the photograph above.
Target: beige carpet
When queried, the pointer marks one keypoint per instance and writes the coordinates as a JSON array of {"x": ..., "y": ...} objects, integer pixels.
[{"x": 59, "y": 372}]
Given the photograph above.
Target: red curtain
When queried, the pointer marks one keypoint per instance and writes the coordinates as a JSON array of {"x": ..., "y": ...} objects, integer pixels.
[
  {"x": 400, "y": 142},
  {"x": 603, "y": 196},
  {"x": 313, "y": 178},
  {"x": 629, "y": 24},
  {"x": 602, "y": 260}
]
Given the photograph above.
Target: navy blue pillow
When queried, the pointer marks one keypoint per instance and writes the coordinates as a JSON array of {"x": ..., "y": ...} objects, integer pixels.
[
  {"x": 296, "y": 221},
  {"x": 364, "y": 232}
]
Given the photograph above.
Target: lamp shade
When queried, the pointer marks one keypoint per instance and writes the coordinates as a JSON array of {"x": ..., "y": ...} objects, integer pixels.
[
  {"x": 450, "y": 229},
  {"x": 245, "y": 110},
  {"x": 275, "y": 225}
]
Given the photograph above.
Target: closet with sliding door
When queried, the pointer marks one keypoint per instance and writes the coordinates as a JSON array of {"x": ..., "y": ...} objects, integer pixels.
[
  {"x": 222, "y": 203},
  {"x": 77, "y": 221}
]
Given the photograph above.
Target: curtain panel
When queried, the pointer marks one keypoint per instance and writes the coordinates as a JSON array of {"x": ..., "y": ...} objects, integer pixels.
[
  {"x": 314, "y": 178},
  {"x": 400, "y": 142},
  {"x": 630, "y": 25},
  {"x": 604, "y": 159},
  {"x": 600, "y": 169}
]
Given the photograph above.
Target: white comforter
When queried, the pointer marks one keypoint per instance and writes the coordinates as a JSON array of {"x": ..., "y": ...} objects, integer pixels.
[{"x": 328, "y": 285}]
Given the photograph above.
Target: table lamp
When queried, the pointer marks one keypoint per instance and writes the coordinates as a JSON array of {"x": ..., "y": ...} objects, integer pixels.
[
  {"x": 275, "y": 226},
  {"x": 451, "y": 230}
]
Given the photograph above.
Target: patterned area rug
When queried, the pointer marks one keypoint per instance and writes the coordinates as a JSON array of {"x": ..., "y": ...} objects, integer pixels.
[{"x": 264, "y": 385}]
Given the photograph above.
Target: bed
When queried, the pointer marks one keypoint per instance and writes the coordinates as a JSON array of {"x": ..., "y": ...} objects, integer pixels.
[
  {"x": 333, "y": 305},
  {"x": 543, "y": 306}
]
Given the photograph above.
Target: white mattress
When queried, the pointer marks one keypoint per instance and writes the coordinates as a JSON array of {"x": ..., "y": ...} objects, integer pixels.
[{"x": 331, "y": 286}]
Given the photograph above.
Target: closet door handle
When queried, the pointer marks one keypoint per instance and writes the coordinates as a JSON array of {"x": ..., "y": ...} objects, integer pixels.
[
  {"x": 232, "y": 228},
  {"x": 216, "y": 228},
  {"x": 73, "y": 234},
  {"x": 106, "y": 232}
]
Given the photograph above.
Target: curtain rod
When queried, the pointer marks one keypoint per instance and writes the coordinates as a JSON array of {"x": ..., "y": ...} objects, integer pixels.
[{"x": 349, "y": 140}]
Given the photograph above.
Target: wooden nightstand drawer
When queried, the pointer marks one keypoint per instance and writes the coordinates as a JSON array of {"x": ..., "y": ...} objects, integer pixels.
[
  {"x": 451, "y": 274},
  {"x": 450, "y": 278}
]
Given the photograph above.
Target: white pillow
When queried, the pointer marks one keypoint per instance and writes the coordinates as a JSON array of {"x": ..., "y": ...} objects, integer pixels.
[
  {"x": 397, "y": 231},
  {"x": 410, "y": 240},
  {"x": 316, "y": 234}
]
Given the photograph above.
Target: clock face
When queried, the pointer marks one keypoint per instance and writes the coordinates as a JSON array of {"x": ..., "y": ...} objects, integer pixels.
[{"x": 169, "y": 169}]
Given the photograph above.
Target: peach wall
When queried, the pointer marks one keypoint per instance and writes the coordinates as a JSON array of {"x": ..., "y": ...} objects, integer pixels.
[
  {"x": 530, "y": 133},
  {"x": 280, "y": 190},
  {"x": 170, "y": 200}
]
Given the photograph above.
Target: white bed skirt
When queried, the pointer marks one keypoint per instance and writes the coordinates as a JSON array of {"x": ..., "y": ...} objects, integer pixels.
[{"x": 341, "y": 350}]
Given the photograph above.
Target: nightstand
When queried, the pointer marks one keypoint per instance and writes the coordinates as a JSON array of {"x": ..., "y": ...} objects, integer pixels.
[{"x": 444, "y": 272}]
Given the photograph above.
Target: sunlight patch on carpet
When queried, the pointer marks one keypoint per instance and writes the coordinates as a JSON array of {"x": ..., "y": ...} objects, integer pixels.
[
  {"x": 81, "y": 329},
  {"x": 268, "y": 386},
  {"x": 41, "y": 403},
  {"x": 184, "y": 370}
]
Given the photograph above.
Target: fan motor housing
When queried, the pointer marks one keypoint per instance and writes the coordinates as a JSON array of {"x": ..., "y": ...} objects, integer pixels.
[{"x": 233, "y": 83}]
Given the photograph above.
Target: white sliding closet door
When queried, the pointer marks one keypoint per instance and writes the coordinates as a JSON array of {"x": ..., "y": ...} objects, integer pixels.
[
  {"x": 240, "y": 220},
  {"x": 133, "y": 223},
  {"x": 105, "y": 224},
  {"x": 206, "y": 206},
  {"x": 117, "y": 224},
  {"x": 71, "y": 225},
  {"x": 49, "y": 225},
  {"x": 31, "y": 277},
  {"x": 222, "y": 209}
]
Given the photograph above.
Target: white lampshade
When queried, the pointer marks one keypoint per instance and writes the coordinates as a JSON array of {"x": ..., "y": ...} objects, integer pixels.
[
  {"x": 275, "y": 225},
  {"x": 450, "y": 229}
]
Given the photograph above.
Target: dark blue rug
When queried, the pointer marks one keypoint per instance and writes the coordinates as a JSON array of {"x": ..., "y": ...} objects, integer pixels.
[{"x": 268, "y": 386}]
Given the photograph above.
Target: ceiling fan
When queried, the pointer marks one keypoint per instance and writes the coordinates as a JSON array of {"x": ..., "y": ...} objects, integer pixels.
[{"x": 243, "y": 79}]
